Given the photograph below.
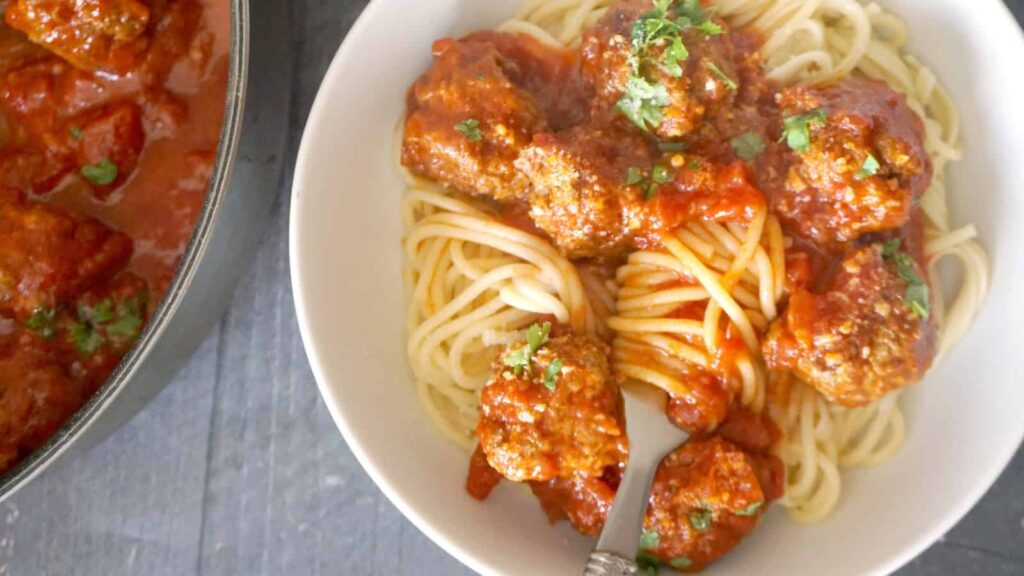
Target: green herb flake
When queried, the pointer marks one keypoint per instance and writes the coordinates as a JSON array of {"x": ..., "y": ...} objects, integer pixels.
[
  {"x": 634, "y": 175},
  {"x": 797, "y": 129},
  {"x": 917, "y": 296},
  {"x": 552, "y": 373},
  {"x": 729, "y": 82},
  {"x": 680, "y": 563},
  {"x": 99, "y": 313},
  {"x": 43, "y": 322},
  {"x": 470, "y": 128},
  {"x": 674, "y": 54},
  {"x": 127, "y": 326},
  {"x": 518, "y": 360},
  {"x": 700, "y": 520},
  {"x": 536, "y": 337},
  {"x": 751, "y": 510},
  {"x": 102, "y": 173},
  {"x": 661, "y": 174},
  {"x": 748, "y": 146},
  {"x": 643, "y": 103},
  {"x": 76, "y": 133},
  {"x": 710, "y": 28},
  {"x": 649, "y": 540},
  {"x": 648, "y": 563},
  {"x": 870, "y": 168},
  {"x": 85, "y": 338},
  {"x": 672, "y": 146}
]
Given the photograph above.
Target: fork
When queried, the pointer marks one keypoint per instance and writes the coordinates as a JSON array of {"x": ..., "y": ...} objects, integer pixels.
[{"x": 651, "y": 438}]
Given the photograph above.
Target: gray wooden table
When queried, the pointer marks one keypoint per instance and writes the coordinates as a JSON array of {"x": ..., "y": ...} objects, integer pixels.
[{"x": 237, "y": 468}]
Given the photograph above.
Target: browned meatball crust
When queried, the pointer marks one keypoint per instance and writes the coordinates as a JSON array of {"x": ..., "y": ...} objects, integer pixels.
[
  {"x": 864, "y": 168},
  {"x": 705, "y": 81},
  {"x": 469, "y": 117},
  {"x": 543, "y": 422},
  {"x": 860, "y": 339},
  {"x": 580, "y": 196}
]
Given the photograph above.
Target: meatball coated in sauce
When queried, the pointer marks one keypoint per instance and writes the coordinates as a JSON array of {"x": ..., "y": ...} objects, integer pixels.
[
  {"x": 858, "y": 340},
  {"x": 707, "y": 496},
  {"x": 530, "y": 431},
  {"x": 865, "y": 167},
  {"x": 598, "y": 190},
  {"x": 36, "y": 397},
  {"x": 104, "y": 35},
  {"x": 48, "y": 256},
  {"x": 580, "y": 196},
  {"x": 480, "y": 103},
  {"x": 607, "y": 53}
]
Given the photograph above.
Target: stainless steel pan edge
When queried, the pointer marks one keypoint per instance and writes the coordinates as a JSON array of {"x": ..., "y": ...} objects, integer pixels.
[{"x": 241, "y": 193}]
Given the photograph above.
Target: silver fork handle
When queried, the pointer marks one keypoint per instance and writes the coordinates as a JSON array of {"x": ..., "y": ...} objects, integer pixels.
[{"x": 610, "y": 564}]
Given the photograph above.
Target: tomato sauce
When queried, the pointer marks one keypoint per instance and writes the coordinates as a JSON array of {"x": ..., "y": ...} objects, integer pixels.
[{"x": 110, "y": 119}]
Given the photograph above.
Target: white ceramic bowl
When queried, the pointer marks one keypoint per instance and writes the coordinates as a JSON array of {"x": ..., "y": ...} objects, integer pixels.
[{"x": 965, "y": 419}]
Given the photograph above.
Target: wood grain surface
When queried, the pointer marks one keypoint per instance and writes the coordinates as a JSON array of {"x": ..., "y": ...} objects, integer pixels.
[{"x": 236, "y": 468}]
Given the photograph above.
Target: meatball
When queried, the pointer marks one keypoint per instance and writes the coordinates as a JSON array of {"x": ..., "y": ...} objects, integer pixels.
[
  {"x": 704, "y": 79},
  {"x": 468, "y": 120},
  {"x": 707, "y": 496},
  {"x": 864, "y": 336},
  {"x": 36, "y": 397},
  {"x": 104, "y": 35},
  {"x": 581, "y": 192},
  {"x": 48, "y": 256},
  {"x": 864, "y": 167},
  {"x": 559, "y": 415}
]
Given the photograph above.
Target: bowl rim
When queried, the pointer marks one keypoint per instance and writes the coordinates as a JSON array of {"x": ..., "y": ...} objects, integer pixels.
[
  {"x": 199, "y": 243},
  {"x": 303, "y": 168}
]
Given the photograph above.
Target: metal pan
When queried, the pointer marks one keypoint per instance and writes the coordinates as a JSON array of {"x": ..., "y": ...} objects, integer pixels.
[{"x": 238, "y": 201}]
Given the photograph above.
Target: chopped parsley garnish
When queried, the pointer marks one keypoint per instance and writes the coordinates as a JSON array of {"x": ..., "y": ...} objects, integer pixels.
[
  {"x": 680, "y": 563},
  {"x": 85, "y": 338},
  {"x": 104, "y": 322},
  {"x": 536, "y": 337},
  {"x": 648, "y": 563},
  {"x": 917, "y": 295},
  {"x": 102, "y": 173},
  {"x": 643, "y": 103},
  {"x": 634, "y": 175},
  {"x": 751, "y": 510},
  {"x": 672, "y": 146},
  {"x": 644, "y": 98},
  {"x": 729, "y": 82},
  {"x": 76, "y": 132},
  {"x": 710, "y": 28},
  {"x": 552, "y": 373},
  {"x": 129, "y": 318},
  {"x": 797, "y": 130},
  {"x": 748, "y": 146},
  {"x": 870, "y": 168},
  {"x": 649, "y": 540},
  {"x": 43, "y": 322},
  {"x": 701, "y": 520},
  {"x": 470, "y": 128},
  {"x": 98, "y": 313},
  {"x": 661, "y": 174}
]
